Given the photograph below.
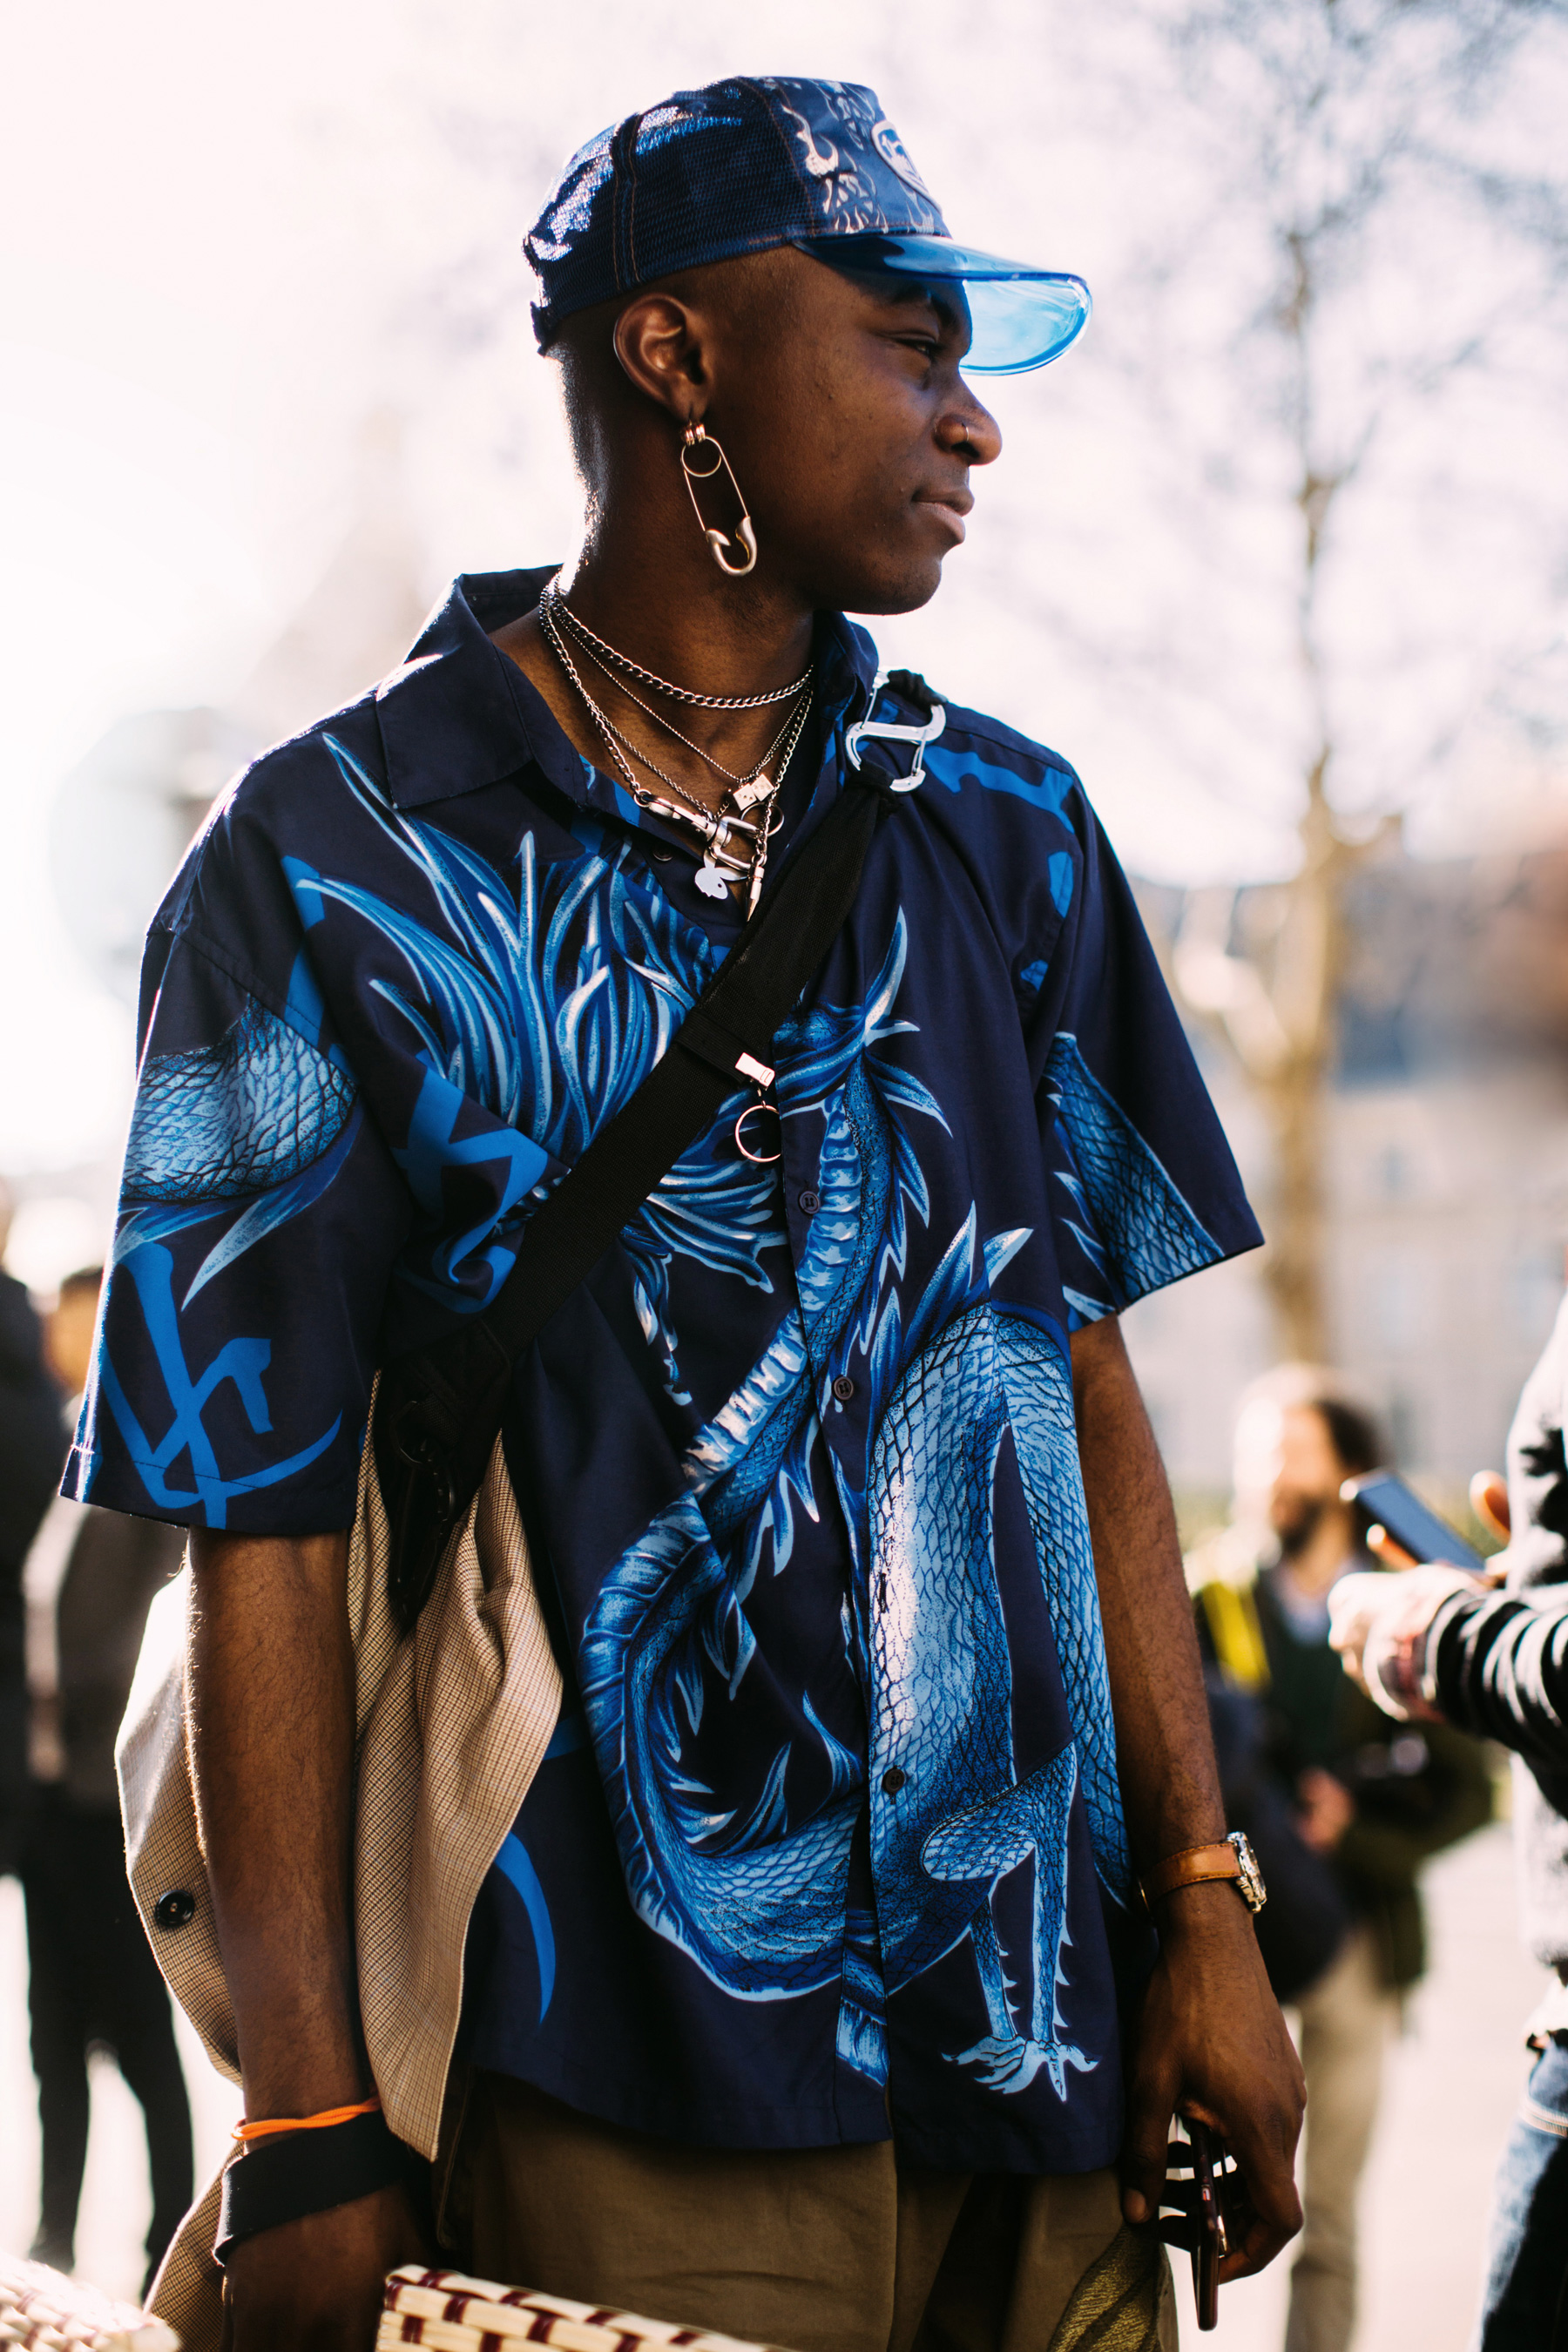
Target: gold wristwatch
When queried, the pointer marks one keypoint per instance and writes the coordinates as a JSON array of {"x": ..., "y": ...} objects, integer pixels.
[{"x": 1232, "y": 1859}]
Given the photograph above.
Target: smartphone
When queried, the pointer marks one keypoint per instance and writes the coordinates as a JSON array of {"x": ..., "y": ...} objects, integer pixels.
[
  {"x": 1202, "y": 2174},
  {"x": 1211, "y": 2245},
  {"x": 1382, "y": 1499}
]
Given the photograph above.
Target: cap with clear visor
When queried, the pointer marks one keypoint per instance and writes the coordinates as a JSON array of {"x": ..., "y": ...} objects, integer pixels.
[{"x": 1022, "y": 316}]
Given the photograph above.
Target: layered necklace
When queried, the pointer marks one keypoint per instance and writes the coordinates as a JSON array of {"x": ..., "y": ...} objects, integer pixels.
[{"x": 736, "y": 835}]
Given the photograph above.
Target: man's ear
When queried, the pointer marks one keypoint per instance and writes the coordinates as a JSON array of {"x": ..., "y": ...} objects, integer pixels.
[{"x": 658, "y": 342}]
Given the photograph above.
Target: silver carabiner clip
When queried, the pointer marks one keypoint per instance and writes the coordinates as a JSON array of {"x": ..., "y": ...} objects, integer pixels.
[{"x": 919, "y": 736}]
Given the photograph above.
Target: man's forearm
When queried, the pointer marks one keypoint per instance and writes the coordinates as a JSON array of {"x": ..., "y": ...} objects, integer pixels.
[
  {"x": 1170, "y": 1784},
  {"x": 272, "y": 1726},
  {"x": 1210, "y": 2040}
]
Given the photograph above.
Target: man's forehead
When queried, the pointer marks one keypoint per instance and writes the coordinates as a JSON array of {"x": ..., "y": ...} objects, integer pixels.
[{"x": 897, "y": 290}]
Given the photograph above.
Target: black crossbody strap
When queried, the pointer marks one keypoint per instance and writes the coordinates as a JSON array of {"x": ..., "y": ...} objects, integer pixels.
[{"x": 439, "y": 1408}]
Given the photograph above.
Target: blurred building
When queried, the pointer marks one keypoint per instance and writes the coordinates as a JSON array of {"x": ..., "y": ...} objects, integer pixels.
[{"x": 1447, "y": 1169}]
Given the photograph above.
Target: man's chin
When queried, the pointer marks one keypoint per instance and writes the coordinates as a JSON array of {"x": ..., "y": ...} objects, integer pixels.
[{"x": 903, "y": 591}]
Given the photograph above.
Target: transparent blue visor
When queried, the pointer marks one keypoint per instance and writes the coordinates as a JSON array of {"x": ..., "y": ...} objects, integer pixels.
[{"x": 1022, "y": 316}]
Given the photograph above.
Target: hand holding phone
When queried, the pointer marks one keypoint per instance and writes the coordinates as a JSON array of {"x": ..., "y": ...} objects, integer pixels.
[
  {"x": 1382, "y": 1498},
  {"x": 1204, "y": 2187}
]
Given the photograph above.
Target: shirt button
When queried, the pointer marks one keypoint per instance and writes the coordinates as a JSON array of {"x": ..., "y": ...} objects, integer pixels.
[
  {"x": 844, "y": 1387},
  {"x": 810, "y": 1202},
  {"x": 175, "y": 1909},
  {"x": 894, "y": 1780},
  {"x": 661, "y": 852}
]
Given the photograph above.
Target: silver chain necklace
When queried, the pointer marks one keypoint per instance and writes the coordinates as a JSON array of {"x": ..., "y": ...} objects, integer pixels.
[
  {"x": 742, "y": 791},
  {"x": 726, "y": 862},
  {"x": 620, "y": 661}
]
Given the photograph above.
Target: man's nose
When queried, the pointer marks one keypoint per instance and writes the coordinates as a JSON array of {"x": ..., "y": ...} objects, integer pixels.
[{"x": 971, "y": 432}]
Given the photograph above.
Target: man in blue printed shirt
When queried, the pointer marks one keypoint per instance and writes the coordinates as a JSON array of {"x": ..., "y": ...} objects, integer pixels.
[{"x": 811, "y": 1995}]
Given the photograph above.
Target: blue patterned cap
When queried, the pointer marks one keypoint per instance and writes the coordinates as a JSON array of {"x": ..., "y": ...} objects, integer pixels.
[{"x": 744, "y": 166}]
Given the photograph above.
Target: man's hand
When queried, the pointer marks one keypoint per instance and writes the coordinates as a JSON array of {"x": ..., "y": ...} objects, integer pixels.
[
  {"x": 1328, "y": 1809},
  {"x": 1379, "y": 1625},
  {"x": 315, "y": 2284},
  {"x": 1211, "y": 2045}
]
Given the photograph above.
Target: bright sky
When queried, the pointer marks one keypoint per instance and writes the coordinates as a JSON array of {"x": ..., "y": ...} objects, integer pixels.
[{"x": 227, "y": 236}]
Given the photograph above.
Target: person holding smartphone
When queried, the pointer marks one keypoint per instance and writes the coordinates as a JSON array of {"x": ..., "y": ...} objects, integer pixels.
[
  {"x": 1343, "y": 1808},
  {"x": 1491, "y": 1654}
]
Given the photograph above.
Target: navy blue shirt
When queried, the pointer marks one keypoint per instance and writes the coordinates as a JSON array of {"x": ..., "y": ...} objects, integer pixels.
[{"x": 829, "y": 1839}]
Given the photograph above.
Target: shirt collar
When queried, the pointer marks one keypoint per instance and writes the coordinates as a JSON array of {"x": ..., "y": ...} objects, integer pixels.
[
  {"x": 458, "y": 714},
  {"x": 452, "y": 718}
]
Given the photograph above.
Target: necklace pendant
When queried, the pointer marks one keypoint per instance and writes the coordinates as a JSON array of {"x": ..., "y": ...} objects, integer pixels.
[
  {"x": 747, "y": 795},
  {"x": 710, "y": 881}
]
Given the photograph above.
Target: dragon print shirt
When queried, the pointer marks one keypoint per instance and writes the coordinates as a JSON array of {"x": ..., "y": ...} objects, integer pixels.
[{"x": 828, "y": 1844}]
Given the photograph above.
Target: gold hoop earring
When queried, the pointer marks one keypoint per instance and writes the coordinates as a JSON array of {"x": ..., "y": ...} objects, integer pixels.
[{"x": 697, "y": 437}]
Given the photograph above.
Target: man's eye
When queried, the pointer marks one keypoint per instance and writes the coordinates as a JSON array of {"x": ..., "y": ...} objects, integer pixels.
[{"x": 928, "y": 344}]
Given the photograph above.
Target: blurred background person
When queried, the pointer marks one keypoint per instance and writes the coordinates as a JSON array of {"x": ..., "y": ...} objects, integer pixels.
[
  {"x": 1436, "y": 1646},
  {"x": 32, "y": 1454},
  {"x": 1343, "y": 1806},
  {"x": 93, "y": 1983}
]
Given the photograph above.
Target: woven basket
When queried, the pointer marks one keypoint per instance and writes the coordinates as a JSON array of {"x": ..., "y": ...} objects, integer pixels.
[
  {"x": 452, "y": 2314},
  {"x": 41, "y": 2309}
]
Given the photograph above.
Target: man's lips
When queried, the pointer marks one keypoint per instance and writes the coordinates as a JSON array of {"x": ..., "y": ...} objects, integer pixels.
[{"x": 950, "y": 505}]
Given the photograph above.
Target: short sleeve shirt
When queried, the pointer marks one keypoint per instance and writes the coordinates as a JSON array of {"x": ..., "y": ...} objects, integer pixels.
[{"x": 829, "y": 1841}]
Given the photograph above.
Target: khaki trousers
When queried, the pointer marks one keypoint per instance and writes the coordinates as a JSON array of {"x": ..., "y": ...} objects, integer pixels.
[
  {"x": 819, "y": 2249},
  {"x": 1347, "y": 2018}
]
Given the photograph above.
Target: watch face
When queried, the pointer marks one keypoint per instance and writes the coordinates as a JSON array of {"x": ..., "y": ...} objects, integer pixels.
[{"x": 1254, "y": 1894}]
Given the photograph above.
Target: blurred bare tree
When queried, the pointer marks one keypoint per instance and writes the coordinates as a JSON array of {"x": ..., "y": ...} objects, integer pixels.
[{"x": 1397, "y": 313}]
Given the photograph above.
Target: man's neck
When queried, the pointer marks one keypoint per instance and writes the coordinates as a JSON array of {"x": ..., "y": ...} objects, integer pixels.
[
  {"x": 681, "y": 620},
  {"x": 673, "y": 610}
]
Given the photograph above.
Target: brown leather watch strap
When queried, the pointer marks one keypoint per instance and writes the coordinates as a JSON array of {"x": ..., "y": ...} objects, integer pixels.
[{"x": 1190, "y": 1868}]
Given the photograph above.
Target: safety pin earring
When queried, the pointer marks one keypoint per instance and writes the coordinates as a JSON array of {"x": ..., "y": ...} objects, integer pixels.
[{"x": 697, "y": 437}]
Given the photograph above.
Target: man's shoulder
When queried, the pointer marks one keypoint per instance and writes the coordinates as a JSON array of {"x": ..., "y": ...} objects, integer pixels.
[
  {"x": 309, "y": 804},
  {"x": 293, "y": 800},
  {"x": 285, "y": 780},
  {"x": 977, "y": 753}
]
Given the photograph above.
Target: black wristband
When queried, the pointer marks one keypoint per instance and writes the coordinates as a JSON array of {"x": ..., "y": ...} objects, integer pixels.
[{"x": 282, "y": 2179}]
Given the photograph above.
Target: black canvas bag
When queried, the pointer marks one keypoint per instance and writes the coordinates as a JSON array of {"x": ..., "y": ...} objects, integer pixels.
[{"x": 438, "y": 1408}]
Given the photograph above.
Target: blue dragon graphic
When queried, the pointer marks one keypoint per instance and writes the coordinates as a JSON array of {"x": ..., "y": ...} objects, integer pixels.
[
  {"x": 964, "y": 1372},
  {"x": 759, "y": 1905}
]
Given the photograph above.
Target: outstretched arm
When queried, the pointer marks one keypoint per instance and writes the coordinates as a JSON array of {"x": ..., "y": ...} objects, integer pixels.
[
  {"x": 1435, "y": 1644},
  {"x": 272, "y": 1731},
  {"x": 1211, "y": 2040}
]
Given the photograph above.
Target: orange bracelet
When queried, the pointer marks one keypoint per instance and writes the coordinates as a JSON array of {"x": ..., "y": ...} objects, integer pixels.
[{"x": 328, "y": 2117}]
